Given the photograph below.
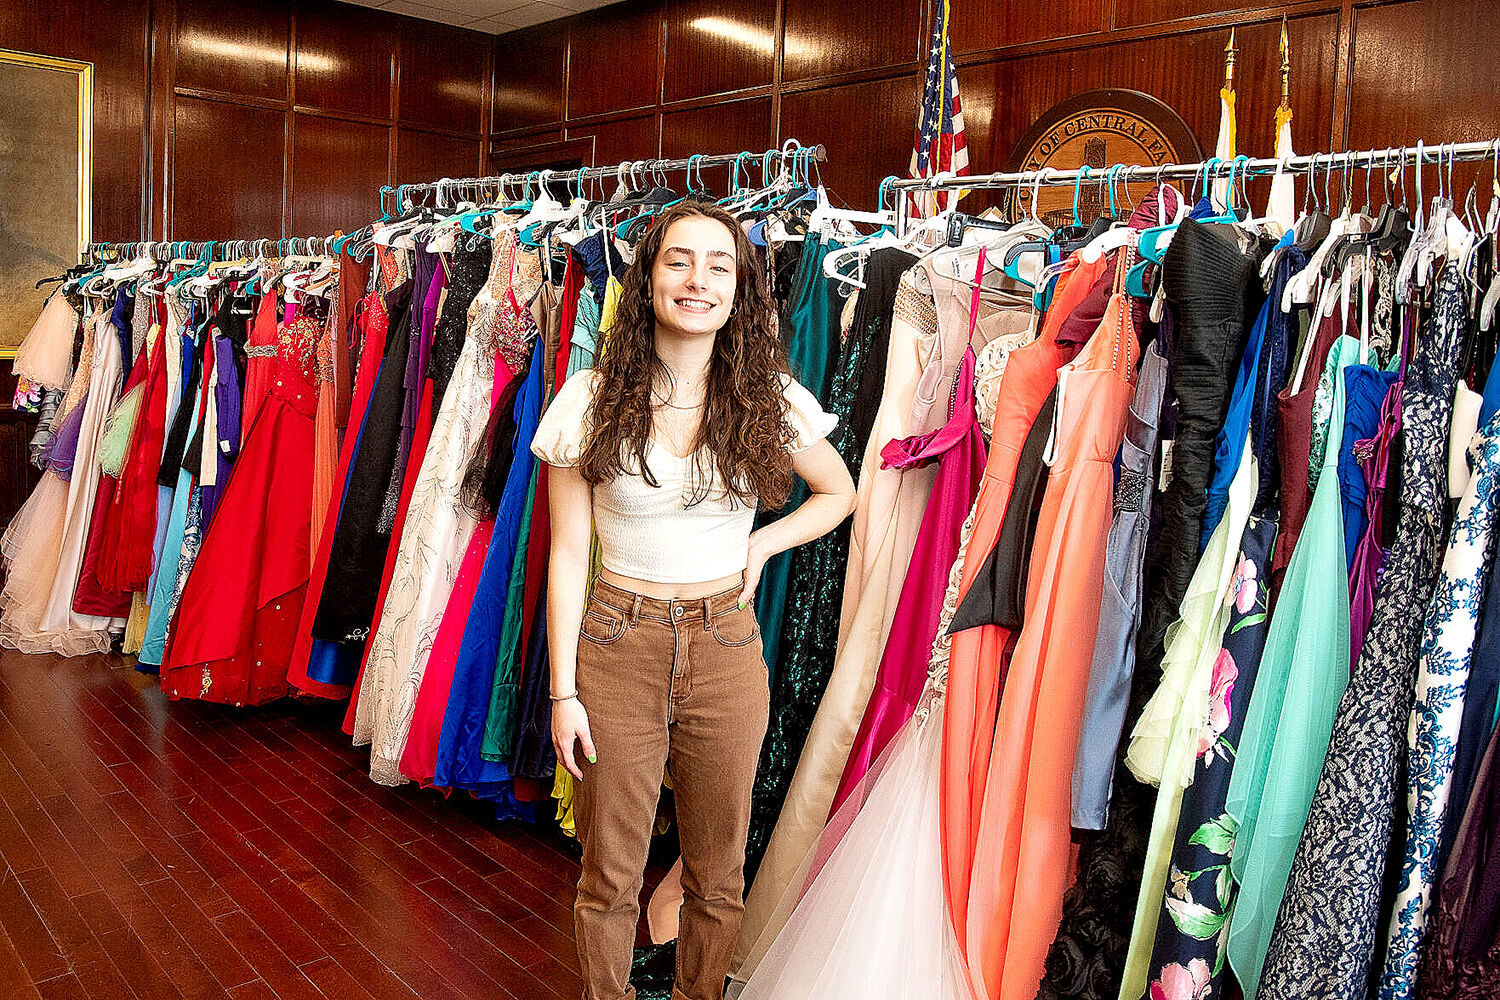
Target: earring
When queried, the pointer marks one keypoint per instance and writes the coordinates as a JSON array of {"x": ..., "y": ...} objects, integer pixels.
[{"x": 734, "y": 309}]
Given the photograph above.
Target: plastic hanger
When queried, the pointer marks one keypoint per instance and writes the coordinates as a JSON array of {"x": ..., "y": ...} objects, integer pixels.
[
  {"x": 1012, "y": 262},
  {"x": 1116, "y": 235},
  {"x": 1135, "y": 276}
]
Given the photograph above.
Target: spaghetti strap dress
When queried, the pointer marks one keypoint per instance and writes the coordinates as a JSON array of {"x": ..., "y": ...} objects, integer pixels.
[
  {"x": 1022, "y": 850},
  {"x": 976, "y": 662}
]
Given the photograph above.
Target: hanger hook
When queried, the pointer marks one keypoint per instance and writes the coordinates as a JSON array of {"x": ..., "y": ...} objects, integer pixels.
[
  {"x": 1083, "y": 172},
  {"x": 1036, "y": 191}
]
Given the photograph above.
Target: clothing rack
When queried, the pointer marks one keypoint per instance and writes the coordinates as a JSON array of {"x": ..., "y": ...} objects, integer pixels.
[
  {"x": 217, "y": 250},
  {"x": 1389, "y": 159},
  {"x": 791, "y": 150}
]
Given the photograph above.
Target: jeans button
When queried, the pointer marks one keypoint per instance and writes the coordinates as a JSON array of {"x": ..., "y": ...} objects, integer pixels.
[{"x": 677, "y": 612}]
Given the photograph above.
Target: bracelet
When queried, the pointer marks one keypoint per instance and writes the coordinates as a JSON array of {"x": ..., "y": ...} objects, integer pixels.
[{"x": 562, "y": 697}]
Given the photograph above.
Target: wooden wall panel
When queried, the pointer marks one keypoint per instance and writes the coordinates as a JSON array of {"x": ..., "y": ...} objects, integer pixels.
[
  {"x": 444, "y": 76},
  {"x": 618, "y": 54},
  {"x": 1129, "y": 13},
  {"x": 630, "y": 139},
  {"x": 425, "y": 156},
  {"x": 345, "y": 59},
  {"x": 324, "y": 199},
  {"x": 226, "y": 178},
  {"x": 824, "y": 39},
  {"x": 1002, "y": 99},
  {"x": 236, "y": 48},
  {"x": 977, "y": 25},
  {"x": 529, "y": 77},
  {"x": 718, "y": 46},
  {"x": 1424, "y": 70},
  {"x": 717, "y": 128},
  {"x": 857, "y": 158}
]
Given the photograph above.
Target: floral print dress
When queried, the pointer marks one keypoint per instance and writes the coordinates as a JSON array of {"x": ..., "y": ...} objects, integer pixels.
[{"x": 1187, "y": 959}]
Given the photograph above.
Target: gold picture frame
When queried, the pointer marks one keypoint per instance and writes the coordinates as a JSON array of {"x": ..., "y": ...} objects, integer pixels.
[{"x": 46, "y": 134}]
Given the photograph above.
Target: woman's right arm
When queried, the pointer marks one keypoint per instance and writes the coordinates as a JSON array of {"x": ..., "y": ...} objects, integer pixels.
[{"x": 570, "y": 503}]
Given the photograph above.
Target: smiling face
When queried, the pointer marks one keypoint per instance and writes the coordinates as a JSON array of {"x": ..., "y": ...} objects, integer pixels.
[{"x": 694, "y": 278}]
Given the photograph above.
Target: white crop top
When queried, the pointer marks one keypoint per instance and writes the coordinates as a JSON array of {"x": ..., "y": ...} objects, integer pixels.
[{"x": 649, "y": 532}]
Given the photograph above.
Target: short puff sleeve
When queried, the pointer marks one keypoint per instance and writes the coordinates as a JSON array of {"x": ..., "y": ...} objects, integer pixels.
[
  {"x": 561, "y": 433},
  {"x": 810, "y": 422}
]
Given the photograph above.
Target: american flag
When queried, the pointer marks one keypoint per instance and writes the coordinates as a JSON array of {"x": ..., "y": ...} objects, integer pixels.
[{"x": 940, "y": 144}]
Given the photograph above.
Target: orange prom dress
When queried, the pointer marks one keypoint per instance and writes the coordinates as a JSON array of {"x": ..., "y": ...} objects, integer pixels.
[
  {"x": 976, "y": 665},
  {"x": 1023, "y": 849}
]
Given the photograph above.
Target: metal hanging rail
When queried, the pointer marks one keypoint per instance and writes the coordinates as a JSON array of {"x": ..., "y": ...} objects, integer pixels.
[
  {"x": 1242, "y": 166},
  {"x": 790, "y": 151},
  {"x": 218, "y": 250}
]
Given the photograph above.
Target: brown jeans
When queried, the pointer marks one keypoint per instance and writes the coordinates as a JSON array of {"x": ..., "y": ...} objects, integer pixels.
[{"x": 666, "y": 682}]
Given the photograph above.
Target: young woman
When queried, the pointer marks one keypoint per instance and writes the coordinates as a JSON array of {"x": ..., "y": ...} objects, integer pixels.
[{"x": 687, "y": 425}]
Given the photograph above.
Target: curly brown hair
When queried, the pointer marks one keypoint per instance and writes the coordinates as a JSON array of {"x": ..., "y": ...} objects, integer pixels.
[{"x": 744, "y": 431}]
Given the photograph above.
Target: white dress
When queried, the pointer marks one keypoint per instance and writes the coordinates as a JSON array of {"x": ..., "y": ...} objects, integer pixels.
[{"x": 873, "y": 922}]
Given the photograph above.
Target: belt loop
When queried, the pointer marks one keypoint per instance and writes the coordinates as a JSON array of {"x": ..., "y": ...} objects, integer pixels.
[
  {"x": 635, "y": 612},
  {"x": 707, "y": 613}
]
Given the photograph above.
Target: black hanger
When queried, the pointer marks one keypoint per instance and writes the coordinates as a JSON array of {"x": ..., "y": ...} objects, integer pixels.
[{"x": 958, "y": 222}]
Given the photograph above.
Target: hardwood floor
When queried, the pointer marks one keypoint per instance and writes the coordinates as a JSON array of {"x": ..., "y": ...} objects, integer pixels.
[{"x": 160, "y": 850}]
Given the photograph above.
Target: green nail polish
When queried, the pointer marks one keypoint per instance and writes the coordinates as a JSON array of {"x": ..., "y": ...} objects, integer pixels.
[{"x": 593, "y": 759}]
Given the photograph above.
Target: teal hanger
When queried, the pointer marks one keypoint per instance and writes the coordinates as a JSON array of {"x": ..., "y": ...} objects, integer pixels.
[
  {"x": 1227, "y": 216},
  {"x": 736, "y": 188},
  {"x": 1083, "y": 172},
  {"x": 198, "y": 268},
  {"x": 1148, "y": 245}
]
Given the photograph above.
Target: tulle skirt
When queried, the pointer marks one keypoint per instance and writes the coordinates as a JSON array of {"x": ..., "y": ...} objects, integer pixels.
[
  {"x": 31, "y": 548},
  {"x": 44, "y": 546},
  {"x": 45, "y": 357},
  {"x": 873, "y": 921}
]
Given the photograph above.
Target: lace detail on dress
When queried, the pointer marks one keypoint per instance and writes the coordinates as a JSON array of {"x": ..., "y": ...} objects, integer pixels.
[
  {"x": 468, "y": 267},
  {"x": 1324, "y": 938},
  {"x": 942, "y": 646},
  {"x": 989, "y": 367},
  {"x": 1130, "y": 491},
  {"x": 914, "y": 308},
  {"x": 499, "y": 316}
]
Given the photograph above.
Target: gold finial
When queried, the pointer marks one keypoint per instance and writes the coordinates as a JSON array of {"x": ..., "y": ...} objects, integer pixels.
[
  {"x": 1286, "y": 66},
  {"x": 1229, "y": 53}
]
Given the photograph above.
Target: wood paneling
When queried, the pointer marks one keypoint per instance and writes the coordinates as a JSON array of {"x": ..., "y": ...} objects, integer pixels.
[
  {"x": 823, "y": 39},
  {"x": 977, "y": 25},
  {"x": 236, "y": 48},
  {"x": 325, "y": 199},
  {"x": 226, "y": 178},
  {"x": 857, "y": 158},
  {"x": 718, "y": 128},
  {"x": 1002, "y": 99},
  {"x": 717, "y": 46},
  {"x": 615, "y": 59},
  {"x": 424, "y": 156},
  {"x": 1137, "y": 12},
  {"x": 444, "y": 76},
  {"x": 529, "y": 77},
  {"x": 1424, "y": 70},
  {"x": 345, "y": 59},
  {"x": 631, "y": 139}
]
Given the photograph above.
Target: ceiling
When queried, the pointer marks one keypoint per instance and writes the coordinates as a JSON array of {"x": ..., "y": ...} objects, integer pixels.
[{"x": 493, "y": 16}]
